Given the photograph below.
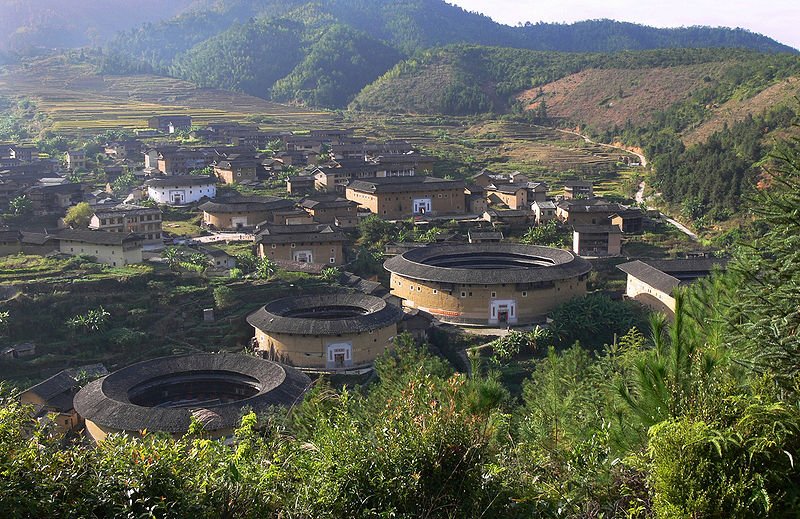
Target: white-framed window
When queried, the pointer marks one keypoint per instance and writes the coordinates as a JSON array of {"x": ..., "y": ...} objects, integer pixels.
[
  {"x": 524, "y": 294},
  {"x": 274, "y": 246},
  {"x": 494, "y": 294},
  {"x": 463, "y": 294},
  {"x": 435, "y": 291},
  {"x": 294, "y": 245},
  {"x": 333, "y": 260}
]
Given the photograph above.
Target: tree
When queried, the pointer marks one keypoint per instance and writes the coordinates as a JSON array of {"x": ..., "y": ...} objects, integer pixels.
[
  {"x": 330, "y": 274},
  {"x": 266, "y": 268},
  {"x": 223, "y": 297},
  {"x": 766, "y": 296},
  {"x": 123, "y": 185},
  {"x": 20, "y": 205},
  {"x": 549, "y": 234},
  {"x": 79, "y": 215},
  {"x": 92, "y": 321}
]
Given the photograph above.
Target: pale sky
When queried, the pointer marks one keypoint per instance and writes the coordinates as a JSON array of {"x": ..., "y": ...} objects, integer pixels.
[{"x": 778, "y": 19}]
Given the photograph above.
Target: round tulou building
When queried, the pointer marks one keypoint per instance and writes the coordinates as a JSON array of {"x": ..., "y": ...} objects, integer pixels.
[
  {"x": 491, "y": 284},
  {"x": 164, "y": 394},
  {"x": 328, "y": 332}
]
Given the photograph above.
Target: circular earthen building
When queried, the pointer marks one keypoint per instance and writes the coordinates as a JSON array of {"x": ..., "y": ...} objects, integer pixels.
[
  {"x": 331, "y": 332},
  {"x": 162, "y": 395},
  {"x": 491, "y": 284}
]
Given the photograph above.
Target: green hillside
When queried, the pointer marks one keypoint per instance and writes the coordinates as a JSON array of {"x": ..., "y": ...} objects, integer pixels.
[
  {"x": 328, "y": 47},
  {"x": 468, "y": 79}
]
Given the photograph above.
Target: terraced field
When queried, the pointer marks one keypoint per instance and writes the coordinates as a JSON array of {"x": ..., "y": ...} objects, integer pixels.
[{"x": 77, "y": 101}]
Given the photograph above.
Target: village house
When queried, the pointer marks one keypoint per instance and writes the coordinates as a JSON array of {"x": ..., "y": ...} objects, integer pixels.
[
  {"x": 596, "y": 240},
  {"x": 292, "y": 216},
  {"x": 111, "y": 248},
  {"x": 300, "y": 184},
  {"x": 181, "y": 190},
  {"x": 478, "y": 236},
  {"x": 334, "y": 178},
  {"x": 236, "y": 169},
  {"x": 595, "y": 211},
  {"x": 653, "y": 282},
  {"x": 475, "y": 199},
  {"x": 243, "y": 212},
  {"x": 218, "y": 260},
  {"x": 513, "y": 196},
  {"x": 170, "y": 123},
  {"x": 126, "y": 218},
  {"x": 629, "y": 221},
  {"x": 543, "y": 212},
  {"x": 397, "y": 164},
  {"x": 19, "y": 351},
  {"x": 331, "y": 134},
  {"x": 327, "y": 208},
  {"x": 401, "y": 197},
  {"x": 124, "y": 149},
  {"x": 575, "y": 189},
  {"x": 10, "y": 243},
  {"x": 76, "y": 159},
  {"x": 511, "y": 218},
  {"x": 482, "y": 179},
  {"x": 314, "y": 243},
  {"x": 48, "y": 199},
  {"x": 23, "y": 154},
  {"x": 52, "y": 398},
  {"x": 537, "y": 192},
  {"x": 38, "y": 243},
  {"x": 173, "y": 161}
]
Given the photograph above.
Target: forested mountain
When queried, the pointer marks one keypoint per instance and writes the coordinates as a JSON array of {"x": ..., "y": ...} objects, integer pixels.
[{"x": 334, "y": 34}]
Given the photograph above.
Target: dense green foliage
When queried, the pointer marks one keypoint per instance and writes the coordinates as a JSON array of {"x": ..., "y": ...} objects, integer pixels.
[
  {"x": 337, "y": 47},
  {"x": 249, "y": 58},
  {"x": 336, "y": 68}
]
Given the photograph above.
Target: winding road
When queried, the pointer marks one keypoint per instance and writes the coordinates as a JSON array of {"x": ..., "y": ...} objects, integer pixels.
[{"x": 639, "y": 194}]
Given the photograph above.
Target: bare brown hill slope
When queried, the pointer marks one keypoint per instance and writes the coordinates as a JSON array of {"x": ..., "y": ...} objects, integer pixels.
[
  {"x": 786, "y": 91},
  {"x": 604, "y": 98}
]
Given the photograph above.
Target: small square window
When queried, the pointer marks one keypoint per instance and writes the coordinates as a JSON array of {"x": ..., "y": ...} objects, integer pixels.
[
  {"x": 494, "y": 294},
  {"x": 294, "y": 245},
  {"x": 435, "y": 291},
  {"x": 333, "y": 260},
  {"x": 274, "y": 246},
  {"x": 524, "y": 294},
  {"x": 463, "y": 294}
]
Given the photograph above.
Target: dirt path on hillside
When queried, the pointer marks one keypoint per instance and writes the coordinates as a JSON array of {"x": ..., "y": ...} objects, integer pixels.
[
  {"x": 639, "y": 194},
  {"x": 685, "y": 230},
  {"x": 642, "y": 158}
]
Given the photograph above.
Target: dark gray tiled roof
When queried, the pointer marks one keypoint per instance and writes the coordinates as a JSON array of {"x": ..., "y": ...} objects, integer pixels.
[
  {"x": 377, "y": 314},
  {"x": 96, "y": 237},
  {"x": 246, "y": 204},
  {"x": 514, "y": 263},
  {"x": 652, "y": 276},
  {"x": 596, "y": 229},
  {"x": 594, "y": 205},
  {"x": 319, "y": 233},
  {"x": 403, "y": 184},
  {"x": 181, "y": 180},
  {"x": 58, "y": 390},
  {"x": 665, "y": 275},
  {"x": 106, "y": 401},
  {"x": 509, "y": 189}
]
